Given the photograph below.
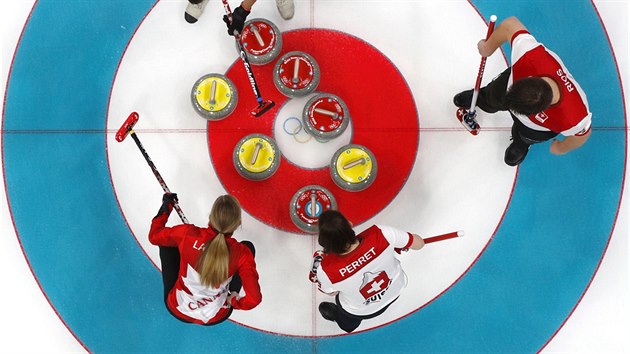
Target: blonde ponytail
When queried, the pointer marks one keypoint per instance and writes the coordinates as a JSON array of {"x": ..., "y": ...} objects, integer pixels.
[{"x": 214, "y": 261}]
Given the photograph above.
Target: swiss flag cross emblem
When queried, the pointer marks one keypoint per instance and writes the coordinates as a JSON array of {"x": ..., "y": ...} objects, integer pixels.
[{"x": 374, "y": 284}]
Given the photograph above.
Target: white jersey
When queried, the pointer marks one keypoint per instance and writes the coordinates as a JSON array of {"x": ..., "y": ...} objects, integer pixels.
[{"x": 370, "y": 277}]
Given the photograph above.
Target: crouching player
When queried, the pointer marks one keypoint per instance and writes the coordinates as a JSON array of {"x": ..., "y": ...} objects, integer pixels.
[{"x": 361, "y": 271}]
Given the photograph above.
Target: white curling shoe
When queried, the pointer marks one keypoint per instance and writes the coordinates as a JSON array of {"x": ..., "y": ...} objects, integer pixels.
[
  {"x": 194, "y": 11},
  {"x": 286, "y": 8}
]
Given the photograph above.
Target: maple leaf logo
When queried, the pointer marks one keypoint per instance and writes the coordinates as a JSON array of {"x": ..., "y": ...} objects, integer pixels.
[{"x": 200, "y": 302}]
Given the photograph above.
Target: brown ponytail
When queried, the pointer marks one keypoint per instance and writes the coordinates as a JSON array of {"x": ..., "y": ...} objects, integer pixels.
[{"x": 214, "y": 261}]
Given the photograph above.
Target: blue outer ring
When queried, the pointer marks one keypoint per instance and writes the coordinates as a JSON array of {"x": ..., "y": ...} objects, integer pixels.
[{"x": 515, "y": 297}]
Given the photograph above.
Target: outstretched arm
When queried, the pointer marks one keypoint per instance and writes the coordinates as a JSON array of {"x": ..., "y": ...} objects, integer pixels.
[
  {"x": 561, "y": 147},
  {"x": 501, "y": 34}
]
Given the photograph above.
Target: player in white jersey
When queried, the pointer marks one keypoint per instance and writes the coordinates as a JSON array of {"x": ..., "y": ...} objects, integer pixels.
[{"x": 362, "y": 271}]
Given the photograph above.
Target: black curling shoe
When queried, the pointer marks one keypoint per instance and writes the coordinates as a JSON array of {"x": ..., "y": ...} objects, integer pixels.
[
  {"x": 328, "y": 311},
  {"x": 463, "y": 99},
  {"x": 515, "y": 154}
]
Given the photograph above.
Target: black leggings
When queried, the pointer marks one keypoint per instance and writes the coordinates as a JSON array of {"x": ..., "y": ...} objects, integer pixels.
[
  {"x": 491, "y": 100},
  {"x": 169, "y": 257},
  {"x": 349, "y": 322}
]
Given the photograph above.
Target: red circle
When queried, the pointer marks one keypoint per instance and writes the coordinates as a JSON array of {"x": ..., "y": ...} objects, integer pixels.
[
  {"x": 324, "y": 122},
  {"x": 384, "y": 119}
]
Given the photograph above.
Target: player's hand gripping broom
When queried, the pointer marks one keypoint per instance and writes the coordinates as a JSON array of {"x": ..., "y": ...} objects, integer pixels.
[{"x": 468, "y": 117}]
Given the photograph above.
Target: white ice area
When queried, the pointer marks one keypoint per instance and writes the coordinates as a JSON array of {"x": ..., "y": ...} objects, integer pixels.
[{"x": 165, "y": 58}]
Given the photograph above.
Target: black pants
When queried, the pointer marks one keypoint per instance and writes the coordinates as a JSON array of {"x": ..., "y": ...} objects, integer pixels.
[
  {"x": 491, "y": 99},
  {"x": 169, "y": 257},
  {"x": 349, "y": 322}
]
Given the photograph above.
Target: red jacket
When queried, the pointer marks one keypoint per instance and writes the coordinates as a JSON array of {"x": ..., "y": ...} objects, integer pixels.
[{"x": 191, "y": 301}]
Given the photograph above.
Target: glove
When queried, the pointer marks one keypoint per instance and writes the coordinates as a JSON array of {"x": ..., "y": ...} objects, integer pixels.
[
  {"x": 317, "y": 260},
  {"x": 168, "y": 201},
  {"x": 238, "y": 20}
]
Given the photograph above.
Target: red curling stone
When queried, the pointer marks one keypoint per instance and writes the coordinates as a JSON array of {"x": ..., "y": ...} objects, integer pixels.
[
  {"x": 296, "y": 74},
  {"x": 308, "y": 204},
  {"x": 325, "y": 116},
  {"x": 261, "y": 40}
]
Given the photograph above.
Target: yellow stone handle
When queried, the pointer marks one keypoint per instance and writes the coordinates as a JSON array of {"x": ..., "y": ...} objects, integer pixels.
[{"x": 353, "y": 163}]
